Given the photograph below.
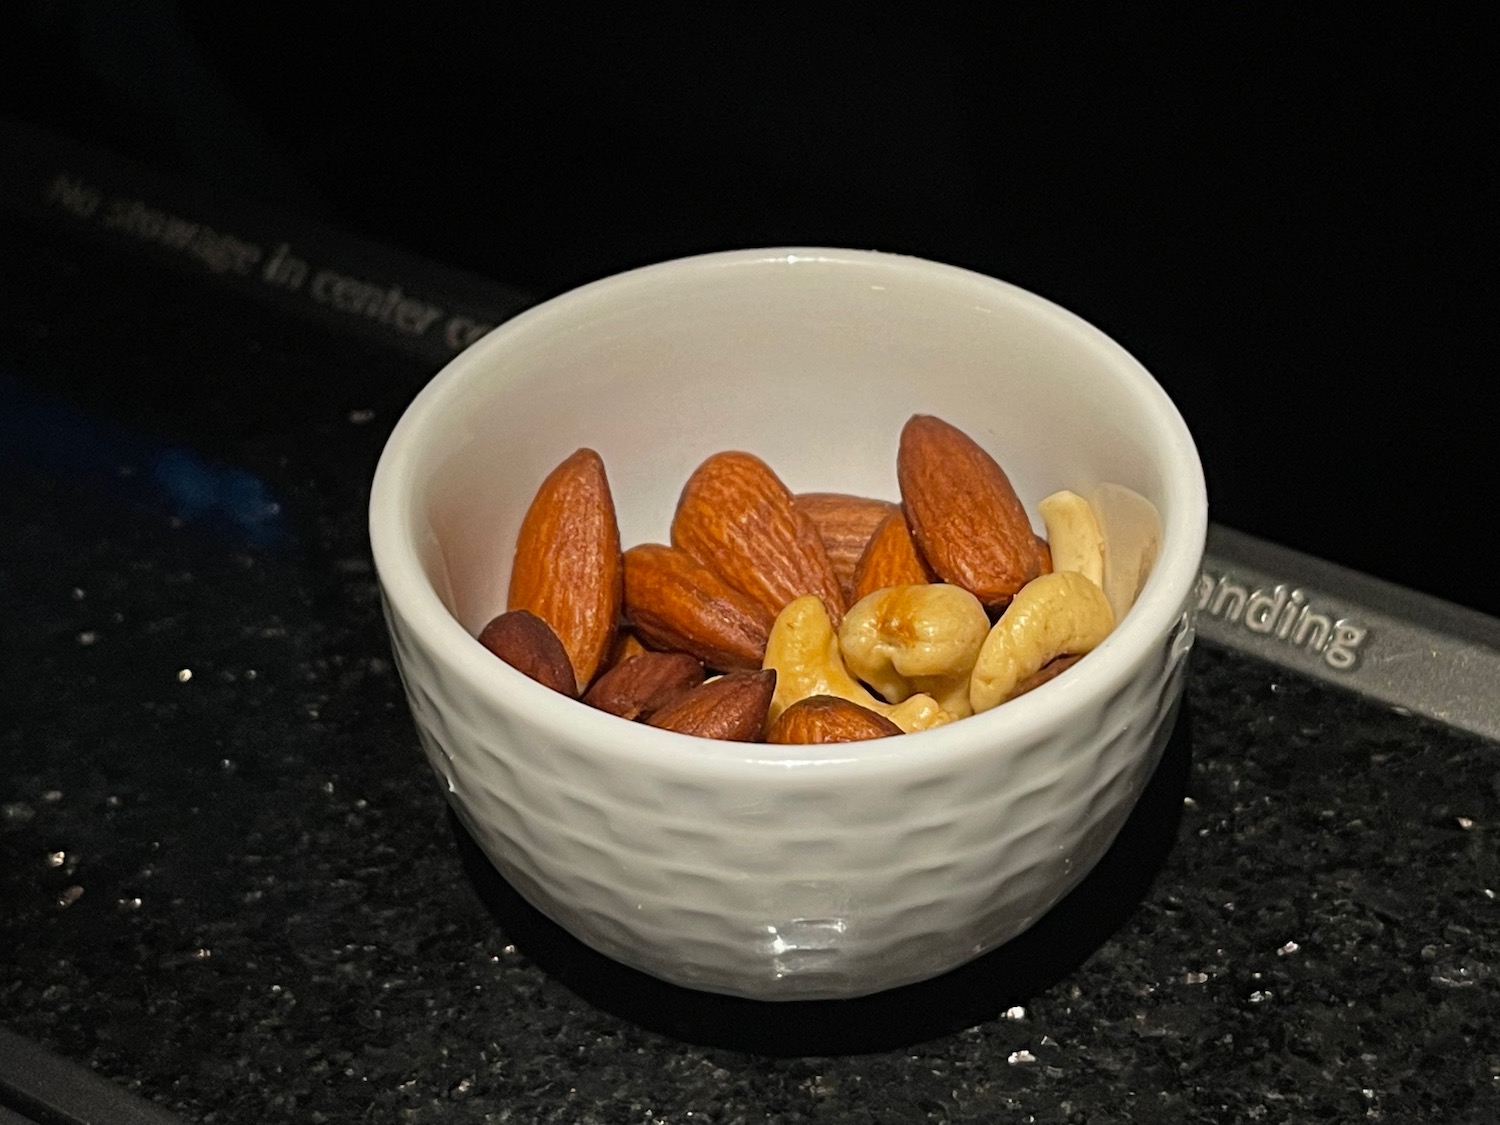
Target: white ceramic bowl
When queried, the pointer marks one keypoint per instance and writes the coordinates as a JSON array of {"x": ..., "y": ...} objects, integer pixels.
[{"x": 761, "y": 871}]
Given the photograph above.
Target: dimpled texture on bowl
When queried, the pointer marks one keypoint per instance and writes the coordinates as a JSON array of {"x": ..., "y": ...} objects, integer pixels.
[
  {"x": 780, "y": 872},
  {"x": 819, "y": 884}
]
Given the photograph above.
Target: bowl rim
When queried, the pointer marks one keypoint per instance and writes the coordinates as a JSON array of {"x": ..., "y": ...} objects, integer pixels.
[{"x": 410, "y": 595}]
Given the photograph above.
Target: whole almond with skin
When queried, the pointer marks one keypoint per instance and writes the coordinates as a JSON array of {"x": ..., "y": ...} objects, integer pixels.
[
  {"x": 626, "y": 644},
  {"x": 732, "y": 708},
  {"x": 736, "y": 517},
  {"x": 965, "y": 517},
  {"x": 845, "y": 524},
  {"x": 1043, "y": 556},
  {"x": 642, "y": 684},
  {"x": 1048, "y": 671},
  {"x": 528, "y": 644},
  {"x": 673, "y": 601},
  {"x": 827, "y": 718},
  {"x": 889, "y": 559},
  {"x": 567, "y": 567}
]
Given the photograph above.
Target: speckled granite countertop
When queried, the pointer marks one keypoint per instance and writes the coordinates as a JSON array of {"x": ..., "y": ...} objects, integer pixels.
[{"x": 229, "y": 885}]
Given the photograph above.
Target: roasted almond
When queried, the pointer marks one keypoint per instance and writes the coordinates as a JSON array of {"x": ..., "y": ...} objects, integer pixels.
[
  {"x": 737, "y": 517},
  {"x": 732, "y": 707},
  {"x": 1050, "y": 670},
  {"x": 889, "y": 559},
  {"x": 672, "y": 601},
  {"x": 528, "y": 644},
  {"x": 845, "y": 524},
  {"x": 1043, "y": 556},
  {"x": 626, "y": 644},
  {"x": 567, "y": 567},
  {"x": 640, "y": 685},
  {"x": 827, "y": 718},
  {"x": 965, "y": 517}
]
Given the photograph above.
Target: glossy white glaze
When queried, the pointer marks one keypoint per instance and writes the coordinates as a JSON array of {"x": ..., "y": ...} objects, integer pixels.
[{"x": 780, "y": 872}]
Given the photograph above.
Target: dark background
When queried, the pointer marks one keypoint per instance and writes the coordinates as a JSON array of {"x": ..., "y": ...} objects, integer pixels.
[{"x": 1285, "y": 217}]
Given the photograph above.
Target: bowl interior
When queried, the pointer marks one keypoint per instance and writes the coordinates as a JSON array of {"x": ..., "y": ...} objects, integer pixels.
[{"x": 812, "y": 360}]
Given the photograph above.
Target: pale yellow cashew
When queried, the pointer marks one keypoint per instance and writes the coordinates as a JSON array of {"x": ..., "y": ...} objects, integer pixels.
[
  {"x": 804, "y": 650},
  {"x": 1131, "y": 526},
  {"x": 1073, "y": 535},
  {"x": 1055, "y": 614},
  {"x": 906, "y": 640}
]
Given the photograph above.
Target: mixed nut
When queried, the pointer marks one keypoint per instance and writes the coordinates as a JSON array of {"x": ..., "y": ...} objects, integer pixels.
[{"x": 818, "y": 617}]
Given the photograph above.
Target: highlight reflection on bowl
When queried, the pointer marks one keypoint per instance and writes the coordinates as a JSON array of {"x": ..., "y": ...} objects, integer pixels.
[{"x": 780, "y": 872}]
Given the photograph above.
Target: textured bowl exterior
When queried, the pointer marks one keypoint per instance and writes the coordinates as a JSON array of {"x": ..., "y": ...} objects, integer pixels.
[
  {"x": 810, "y": 884},
  {"x": 778, "y": 872}
]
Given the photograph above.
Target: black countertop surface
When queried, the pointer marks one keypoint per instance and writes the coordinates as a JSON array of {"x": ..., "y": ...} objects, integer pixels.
[{"x": 229, "y": 886}]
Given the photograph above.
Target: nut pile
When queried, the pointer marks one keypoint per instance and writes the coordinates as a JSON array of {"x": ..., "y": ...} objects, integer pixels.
[{"x": 817, "y": 617}]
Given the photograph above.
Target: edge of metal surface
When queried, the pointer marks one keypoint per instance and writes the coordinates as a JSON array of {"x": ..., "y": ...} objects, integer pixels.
[
  {"x": 1417, "y": 653},
  {"x": 1414, "y": 652},
  {"x": 39, "y": 1086}
]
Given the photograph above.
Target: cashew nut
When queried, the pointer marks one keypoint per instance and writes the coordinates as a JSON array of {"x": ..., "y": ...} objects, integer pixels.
[
  {"x": 1131, "y": 526},
  {"x": 804, "y": 650},
  {"x": 905, "y": 640},
  {"x": 1057, "y": 613},
  {"x": 1073, "y": 535}
]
